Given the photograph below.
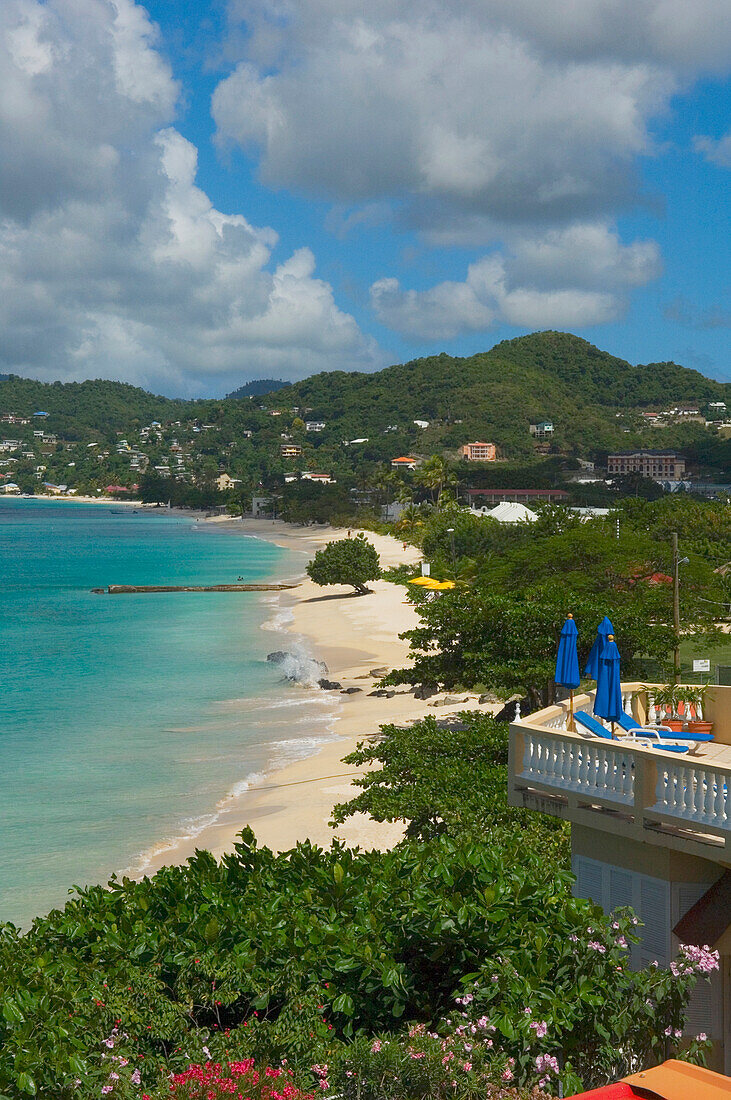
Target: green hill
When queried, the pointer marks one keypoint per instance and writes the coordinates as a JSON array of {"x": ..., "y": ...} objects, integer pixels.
[
  {"x": 258, "y": 387},
  {"x": 495, "y": 395},
  {"x": 594, "y": 399}
]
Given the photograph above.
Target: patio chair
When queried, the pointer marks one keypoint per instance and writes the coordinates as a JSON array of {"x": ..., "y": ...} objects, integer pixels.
[
  {"x": 629, "y": 725},
  {"x": 646, "y": 740}
]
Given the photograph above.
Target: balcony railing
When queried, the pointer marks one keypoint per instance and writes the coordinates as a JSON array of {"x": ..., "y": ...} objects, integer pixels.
[{"x": 623, "y": 786}]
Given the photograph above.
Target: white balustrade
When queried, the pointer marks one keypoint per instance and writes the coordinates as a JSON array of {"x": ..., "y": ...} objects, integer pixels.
[
  {"x": 577, "y": 765},
  {"x": 693, "y": 793},
  {"x": 651, "y": 711}
]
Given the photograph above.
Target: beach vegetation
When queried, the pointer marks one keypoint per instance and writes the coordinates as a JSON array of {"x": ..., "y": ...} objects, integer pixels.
[
  {"x": 295, "y": 955},
  {"x": 502, "y": 629},
  {"x": 351, "y": 561}
]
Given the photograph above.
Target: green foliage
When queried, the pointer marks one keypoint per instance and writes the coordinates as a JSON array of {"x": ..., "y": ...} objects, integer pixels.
[
  {"x": 346, "y": 561},
  {"x": 449, "y": 778},
  {"x": 503, "y": 630},
  {"x": 204, "y": 955}
]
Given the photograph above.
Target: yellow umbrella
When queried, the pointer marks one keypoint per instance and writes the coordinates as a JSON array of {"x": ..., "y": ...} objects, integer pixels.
[
  {"x": 442, "y": 586},
  {"x": 427, "y": 582}
]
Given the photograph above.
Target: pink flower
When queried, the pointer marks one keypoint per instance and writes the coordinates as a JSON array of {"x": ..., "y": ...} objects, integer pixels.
[
  {"x": 700, "y": 958},
  {"x": 668, "y": 1031},
  {"x": 375, "y": 1047},
  {"x": 507, "y": 1074},
  {"x": 546, "y": 1062},
  {"x": 596, "y": 946},
  {"x": 701, "y": 1037},
  {"x": 106, "y": 1089},
  {"x": 540, "y": 1029},
  {"x": 136, "y": 1078},
  {"x": 467, "y": 1066}
]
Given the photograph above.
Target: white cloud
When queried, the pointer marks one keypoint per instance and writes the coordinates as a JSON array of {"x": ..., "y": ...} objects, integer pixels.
[
  {"x": 480, "y": 112},
  {"x": 716, "y": 151},
  {"x": 565, "y": 279},
  {"x": 113, "y": 263}
]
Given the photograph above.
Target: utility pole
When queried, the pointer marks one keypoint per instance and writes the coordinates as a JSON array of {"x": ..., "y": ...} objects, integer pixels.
[{"x": 676, "y": 608}]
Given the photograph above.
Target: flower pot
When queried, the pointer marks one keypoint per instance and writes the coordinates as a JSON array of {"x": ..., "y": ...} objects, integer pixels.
[
  {"x": 674, "y": 724},
  {"x": 700, "y": 726}
]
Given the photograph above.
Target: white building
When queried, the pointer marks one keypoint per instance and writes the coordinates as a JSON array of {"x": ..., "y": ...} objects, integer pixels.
[{"x": 649, "y": 829}]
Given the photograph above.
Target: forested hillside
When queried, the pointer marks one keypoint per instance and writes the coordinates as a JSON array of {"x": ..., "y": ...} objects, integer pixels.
[{"x": 98, "y": 432}]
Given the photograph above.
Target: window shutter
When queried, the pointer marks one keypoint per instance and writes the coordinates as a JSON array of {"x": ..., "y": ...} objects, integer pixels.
[
  {"x": 654, "y": 912},
  {"x": 620, "y": 888},
  {"x": 589, "y": 880}
]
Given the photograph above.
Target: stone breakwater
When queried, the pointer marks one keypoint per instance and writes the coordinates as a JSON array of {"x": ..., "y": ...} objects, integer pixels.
[{"x": 125, "y": 589}]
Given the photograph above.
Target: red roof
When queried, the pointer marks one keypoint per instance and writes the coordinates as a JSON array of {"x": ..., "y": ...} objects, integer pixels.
[{"x": 116, "y": 489}]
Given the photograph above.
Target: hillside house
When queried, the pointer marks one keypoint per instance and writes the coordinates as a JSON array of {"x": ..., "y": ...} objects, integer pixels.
[
  {"x": 542, "y": 430},
  {"x": 225, "y": 481},
  {"x": 314, "y": 425},
  {"x": 657, "y": 465},
  {"x": 404, "y": 462},
  {"x": 290, "y": 450},
  {"x": 649, "y": 828},
  {"x": 478, "y": 452},
  {"x": 321, "y": 479}
]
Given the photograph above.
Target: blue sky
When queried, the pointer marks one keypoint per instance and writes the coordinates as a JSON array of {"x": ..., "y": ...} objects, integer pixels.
[{"x": 197, "y": 194}]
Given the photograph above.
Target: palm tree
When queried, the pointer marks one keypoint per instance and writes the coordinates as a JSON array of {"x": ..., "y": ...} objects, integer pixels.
[{"x": 435, "y": 475}]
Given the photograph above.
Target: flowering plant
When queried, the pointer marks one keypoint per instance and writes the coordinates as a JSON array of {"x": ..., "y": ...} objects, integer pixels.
[
  {"x": 429, "y": 1065},
  {"x": 240, "y": 1080}
]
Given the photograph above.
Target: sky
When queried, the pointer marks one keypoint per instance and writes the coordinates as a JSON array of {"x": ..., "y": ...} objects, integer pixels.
[{"x": 196, "y": 193}]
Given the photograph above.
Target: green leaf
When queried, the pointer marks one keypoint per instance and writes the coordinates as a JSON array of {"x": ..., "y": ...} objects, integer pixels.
[
  {"x": 344, "y": 1003},
  {"x": 12, "y": 1013},
  {"x": 26, "y": 1084}
]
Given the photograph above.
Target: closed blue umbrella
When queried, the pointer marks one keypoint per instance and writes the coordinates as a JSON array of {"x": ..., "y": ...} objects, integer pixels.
[
  {"x": 604, "y": 629},
  {"x": 608, "y": 698},
  {"x": 567, "y": 663}
]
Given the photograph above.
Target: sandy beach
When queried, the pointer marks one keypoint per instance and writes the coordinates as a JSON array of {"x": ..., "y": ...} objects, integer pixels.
[{"x": 353, "y": 635}]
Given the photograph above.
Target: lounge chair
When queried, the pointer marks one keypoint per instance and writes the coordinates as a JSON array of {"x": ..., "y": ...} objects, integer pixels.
[
  {"x": 646, "y": 740},
  {"x": 629, "y": 725}
]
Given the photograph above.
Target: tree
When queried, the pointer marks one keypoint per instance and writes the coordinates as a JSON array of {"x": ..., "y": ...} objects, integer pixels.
[
  {"x": 435, "y": 475},
  {"x": 347, "y": 561}
]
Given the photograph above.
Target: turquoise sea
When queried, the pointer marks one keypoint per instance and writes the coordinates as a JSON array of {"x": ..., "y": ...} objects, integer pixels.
[{"x": 126, "y": 719}]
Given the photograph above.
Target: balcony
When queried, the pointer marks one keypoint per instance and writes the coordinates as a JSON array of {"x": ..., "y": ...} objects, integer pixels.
[{"x": 681, "y": 802}]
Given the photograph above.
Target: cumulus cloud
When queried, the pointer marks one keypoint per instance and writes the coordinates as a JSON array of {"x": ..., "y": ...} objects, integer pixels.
[
  {"x": 564, "y": 279},
  {"x": 113, "y": 262},
  {"x": 510, "y": 124},
  {"x": 478, "y": 112}
]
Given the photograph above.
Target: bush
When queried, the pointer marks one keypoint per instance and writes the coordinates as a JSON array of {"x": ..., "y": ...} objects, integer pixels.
[{"x": 346, "y": 561}]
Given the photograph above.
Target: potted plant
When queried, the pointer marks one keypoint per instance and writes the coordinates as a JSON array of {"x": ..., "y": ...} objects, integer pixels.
[
  {"x": 696, "y": 697},
  {"x": 685, "y": 695},
  {"x": 669, "y": 695}
]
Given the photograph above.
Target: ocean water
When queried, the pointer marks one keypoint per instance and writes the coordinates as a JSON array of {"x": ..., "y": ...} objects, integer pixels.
[{"x": 128, "y": 720}]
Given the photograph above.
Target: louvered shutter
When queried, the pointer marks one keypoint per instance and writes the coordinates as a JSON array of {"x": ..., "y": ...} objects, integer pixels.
[
  {"x": 654, "y": 912},
  {"x": 620, "y": 888},
  {"x": 589, "y": 880}
]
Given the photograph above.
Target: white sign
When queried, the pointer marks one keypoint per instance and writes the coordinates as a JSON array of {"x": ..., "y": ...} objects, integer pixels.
[
  {"x": 703, "y": 665},
  {"x": 425, "y": 569}
]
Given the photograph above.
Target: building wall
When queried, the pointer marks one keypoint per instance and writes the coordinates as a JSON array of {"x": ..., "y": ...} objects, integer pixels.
[
  {"x": 649, "y": 465},
  {"x": 661, "y": 885}
]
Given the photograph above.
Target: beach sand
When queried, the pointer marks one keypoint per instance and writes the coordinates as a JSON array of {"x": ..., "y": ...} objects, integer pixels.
[{"x": 353, "y": 635}]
